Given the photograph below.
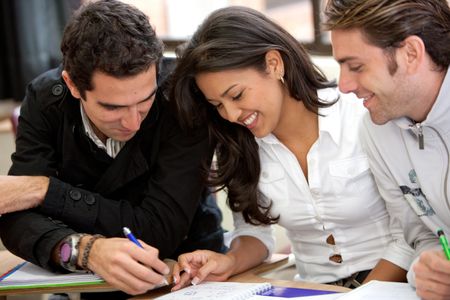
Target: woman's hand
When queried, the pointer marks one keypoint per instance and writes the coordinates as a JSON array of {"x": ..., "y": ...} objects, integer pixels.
[{"x": 194, "y": 267}]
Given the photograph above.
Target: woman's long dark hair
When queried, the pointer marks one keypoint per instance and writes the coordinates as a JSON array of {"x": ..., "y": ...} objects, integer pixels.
[{"x": 233, "y": 38}]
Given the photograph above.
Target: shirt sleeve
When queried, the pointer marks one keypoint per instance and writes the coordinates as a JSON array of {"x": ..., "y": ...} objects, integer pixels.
[
  {"x": 264, "y": 233},
  {"x": 410, "y": 235},
  {"x": 30, "y": 234}
]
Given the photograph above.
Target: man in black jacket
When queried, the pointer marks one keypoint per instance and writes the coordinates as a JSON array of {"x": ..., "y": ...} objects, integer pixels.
[{"x": 98, "y": 149}]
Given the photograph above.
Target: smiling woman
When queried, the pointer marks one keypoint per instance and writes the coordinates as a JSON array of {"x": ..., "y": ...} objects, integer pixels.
[{"x": 287, "y": 152}]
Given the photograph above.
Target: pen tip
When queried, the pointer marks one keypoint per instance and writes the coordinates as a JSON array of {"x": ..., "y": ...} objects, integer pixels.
[{"x": 126, "y": 230}]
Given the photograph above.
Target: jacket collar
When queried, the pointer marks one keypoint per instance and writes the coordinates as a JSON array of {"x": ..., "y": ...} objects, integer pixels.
[
  {"x": 130, "y": 163},
  {"x": 438, "y": 115}
]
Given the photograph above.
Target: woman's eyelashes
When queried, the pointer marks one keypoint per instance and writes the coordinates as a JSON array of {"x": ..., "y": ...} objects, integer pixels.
[
  {"x": 238, "y": 96},
  {"x": 355, "y": 68},
  {"x": 219, "y": 105}
]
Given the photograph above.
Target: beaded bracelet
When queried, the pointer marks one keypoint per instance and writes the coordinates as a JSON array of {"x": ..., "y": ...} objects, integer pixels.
[{"x": 87, "y": 250}]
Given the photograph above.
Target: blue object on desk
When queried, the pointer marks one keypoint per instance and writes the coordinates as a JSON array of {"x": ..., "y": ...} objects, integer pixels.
[
  {"x": 131, "y": 237},
  {"x": 287, "y": 292},
  {"x": 12, "y": 270}
]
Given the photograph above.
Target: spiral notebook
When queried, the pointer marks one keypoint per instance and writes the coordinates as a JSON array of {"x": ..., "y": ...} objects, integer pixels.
[
  {"x": 219, "y": 291},
  {"x": 28, "y": 275}
]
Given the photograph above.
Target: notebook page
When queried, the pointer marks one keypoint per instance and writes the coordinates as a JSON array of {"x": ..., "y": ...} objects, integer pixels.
[
  {"x": 218, "y": 291},
  {"x": 30, "y": 274},
  {"x": 382, "y": 290}
]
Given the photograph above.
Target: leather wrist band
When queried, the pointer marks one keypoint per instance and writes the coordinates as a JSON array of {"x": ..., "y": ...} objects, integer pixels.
[{"x": 87, "y": 250}]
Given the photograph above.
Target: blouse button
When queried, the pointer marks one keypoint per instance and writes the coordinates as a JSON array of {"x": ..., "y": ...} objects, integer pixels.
[{"x": 337, "y": 258}]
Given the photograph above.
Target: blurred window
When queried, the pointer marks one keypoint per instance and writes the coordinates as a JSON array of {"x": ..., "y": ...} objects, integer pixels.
[{"x": 176, "y": 20}]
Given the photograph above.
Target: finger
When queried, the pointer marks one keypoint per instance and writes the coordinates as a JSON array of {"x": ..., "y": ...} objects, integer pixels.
[
  {"x": 209, "y": 267},
  {"x": 125, "y": 281},
  {"x": 185, "y": 280},
  {"x": 149, "y": 257},
  {"x": 429, "y": 294},
  {"x": 144, "y": 273},
  {"x": 127, "y": 258},
  {"x": 176, "y": 273},
  {"x": 434, "y": 266},
  {"x": 184, "y": 263},
  {"x": 188, "y": 261}
]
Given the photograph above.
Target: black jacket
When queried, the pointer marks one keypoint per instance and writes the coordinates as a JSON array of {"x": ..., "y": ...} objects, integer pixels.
[{"x": 153, "y": 186}]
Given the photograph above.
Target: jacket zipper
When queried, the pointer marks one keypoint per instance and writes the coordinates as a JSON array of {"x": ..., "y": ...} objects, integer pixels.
[
  {"x": 419, "y": 129},
  {"x": 448, "y": 163}
]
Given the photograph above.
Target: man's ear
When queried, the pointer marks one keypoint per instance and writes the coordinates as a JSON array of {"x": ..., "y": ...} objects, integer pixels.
[
  {"x": 72, "y": 88},
  {"x": 274, "y": 63},
  {"x": 414, "y": 53}
]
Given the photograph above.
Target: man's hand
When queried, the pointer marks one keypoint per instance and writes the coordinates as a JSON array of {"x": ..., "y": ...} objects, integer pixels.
[
  {"x": 200, "y": 265},
  {"x": 21, "y": 192},
  {"x": 124, "y": 265},
  {"x": 432, "y": 272}
]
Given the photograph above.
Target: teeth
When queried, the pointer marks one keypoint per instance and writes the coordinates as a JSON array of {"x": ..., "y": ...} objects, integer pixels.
[
  {"x": 250, "y": 119},
  {"x": 367, "y": 97}
]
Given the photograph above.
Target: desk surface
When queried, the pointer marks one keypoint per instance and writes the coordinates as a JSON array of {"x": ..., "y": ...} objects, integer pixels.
[{"x": 8, "y": 261}]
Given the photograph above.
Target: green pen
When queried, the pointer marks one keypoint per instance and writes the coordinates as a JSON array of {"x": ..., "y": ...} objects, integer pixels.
[{"x": 444, "y": 243}]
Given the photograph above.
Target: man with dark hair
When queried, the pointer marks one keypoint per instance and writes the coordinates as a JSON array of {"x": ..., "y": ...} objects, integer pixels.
[
  {"x": 395, "y": 54},
  {"x": 98, "y": 149}
]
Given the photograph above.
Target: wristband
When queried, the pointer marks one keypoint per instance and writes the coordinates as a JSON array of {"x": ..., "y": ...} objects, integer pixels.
[{"x": 87, "y": 251}]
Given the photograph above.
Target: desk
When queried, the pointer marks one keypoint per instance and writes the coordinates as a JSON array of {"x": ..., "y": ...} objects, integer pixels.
[{"x": 8, "y": 260}]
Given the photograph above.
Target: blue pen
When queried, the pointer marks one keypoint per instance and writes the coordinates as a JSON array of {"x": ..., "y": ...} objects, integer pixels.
[
  {"x": 131, "y": 237},
  {"x": 127, "y": 232}
]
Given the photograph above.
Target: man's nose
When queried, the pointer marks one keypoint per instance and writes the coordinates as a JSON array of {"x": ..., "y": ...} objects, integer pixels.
[
  {"x": 347, "y": 84},
  {"x": 132, "y": 119}
]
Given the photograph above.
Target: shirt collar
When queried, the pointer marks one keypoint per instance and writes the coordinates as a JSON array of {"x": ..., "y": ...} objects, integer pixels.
[
  {"x": 112, "y": 147},
  {"x": 329, "y": 119},
  {"x": 329, "y": 122}
]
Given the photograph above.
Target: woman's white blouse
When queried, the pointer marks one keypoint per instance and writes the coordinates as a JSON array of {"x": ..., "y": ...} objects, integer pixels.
[{"x": 341, "y": 199}]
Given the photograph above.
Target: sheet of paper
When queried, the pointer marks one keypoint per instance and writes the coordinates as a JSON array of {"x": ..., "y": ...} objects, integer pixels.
[
  {"x": 218, "y": 291},
  {"x": 381, "y": 290},
  {"x": 28, "y": 274}
]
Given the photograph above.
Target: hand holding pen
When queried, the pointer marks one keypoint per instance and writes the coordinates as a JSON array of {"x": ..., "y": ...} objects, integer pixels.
[
  {"x": 432, "y": 271},
  {"x": 123, "y": 265},
  {"x": 127, "y": 232}
]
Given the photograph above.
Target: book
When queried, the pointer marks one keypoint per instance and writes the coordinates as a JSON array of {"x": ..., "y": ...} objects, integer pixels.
[
  {"x": 28, "y": 275},
  {"x": 212, "y": 290}
]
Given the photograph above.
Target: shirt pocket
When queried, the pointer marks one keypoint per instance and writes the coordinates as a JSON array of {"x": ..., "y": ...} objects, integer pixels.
[
  {"x": 273, "y": 183},
  {"x": 351, "y": 175}
]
